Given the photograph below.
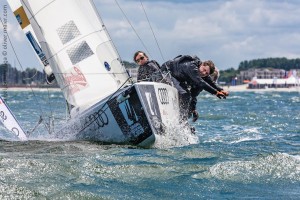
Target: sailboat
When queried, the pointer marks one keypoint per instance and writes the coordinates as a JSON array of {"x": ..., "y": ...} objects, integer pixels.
[{"x": 74, "y": 46}]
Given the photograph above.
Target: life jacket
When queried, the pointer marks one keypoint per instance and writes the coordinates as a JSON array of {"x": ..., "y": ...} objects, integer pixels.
[{"x": 158, "y": 75}]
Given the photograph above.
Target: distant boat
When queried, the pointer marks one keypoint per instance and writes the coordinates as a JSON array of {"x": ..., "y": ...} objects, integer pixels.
[
  {"x": 73, "y": 44},
  {"x": 10, "y": 122}
]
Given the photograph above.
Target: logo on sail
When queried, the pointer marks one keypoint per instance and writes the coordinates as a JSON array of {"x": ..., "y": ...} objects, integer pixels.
[
  {"x": 75, "y": 80},
  {"x": 22, "y": 17},
  {"x": 107, "y": 66}
]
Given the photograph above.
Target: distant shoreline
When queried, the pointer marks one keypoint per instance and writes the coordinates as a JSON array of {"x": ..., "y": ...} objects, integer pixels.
[
  {"x": 243, "y": 88},
  {"x": 24, "y": 89},
  {"x": 237, "y": 88}
]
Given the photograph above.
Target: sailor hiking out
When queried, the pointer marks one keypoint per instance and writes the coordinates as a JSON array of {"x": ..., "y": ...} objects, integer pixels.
[{"x": 190, "y": 76}]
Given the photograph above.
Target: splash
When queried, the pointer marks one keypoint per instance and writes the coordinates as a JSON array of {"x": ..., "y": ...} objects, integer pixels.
[{"x": 176, "y": 135}]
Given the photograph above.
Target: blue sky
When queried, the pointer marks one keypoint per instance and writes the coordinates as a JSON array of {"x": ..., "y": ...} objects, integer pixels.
[{"x": 226, "y": 32}]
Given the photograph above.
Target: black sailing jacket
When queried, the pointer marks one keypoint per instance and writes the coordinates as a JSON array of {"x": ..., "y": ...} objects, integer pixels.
[
  {"x": 187, "y": 71},
  {"x": 149, "y": 71},
  {"x": 196, "y": 91}
]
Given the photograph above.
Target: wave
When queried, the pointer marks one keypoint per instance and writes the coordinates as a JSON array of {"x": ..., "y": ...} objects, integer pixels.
[
  {"x": 267, "y": 169},
  {"x": 175, "y": 136}
]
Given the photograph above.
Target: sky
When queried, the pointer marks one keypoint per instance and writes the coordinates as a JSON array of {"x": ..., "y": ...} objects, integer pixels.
[{"x": 224, "y": 31}]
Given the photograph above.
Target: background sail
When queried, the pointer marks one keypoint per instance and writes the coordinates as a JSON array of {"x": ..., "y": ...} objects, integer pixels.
[
  {"x": 78, "y": 48},
  {"x": 10, "y": 122},
  {"x": 24, "y": 23}
]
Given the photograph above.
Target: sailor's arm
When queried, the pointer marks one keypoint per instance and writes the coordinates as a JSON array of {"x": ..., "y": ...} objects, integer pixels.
[
  {"x": 213, "y": 84},
  {"x": 195, "y": 91},
  {"x": 199, "y": 82}
]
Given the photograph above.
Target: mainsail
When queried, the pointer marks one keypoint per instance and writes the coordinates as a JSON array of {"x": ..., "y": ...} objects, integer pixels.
[
  {"x": 10, "y": 122},
  {"x": 78, "y": 48}
]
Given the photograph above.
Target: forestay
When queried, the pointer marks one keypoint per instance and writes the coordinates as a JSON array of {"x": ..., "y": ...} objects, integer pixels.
[{"x": 78, "y": 48}]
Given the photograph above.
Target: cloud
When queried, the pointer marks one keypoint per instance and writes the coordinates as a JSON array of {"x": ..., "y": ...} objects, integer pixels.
[
  {"x": 242, "y": 29},
  {"x": 227, "y": 32}
]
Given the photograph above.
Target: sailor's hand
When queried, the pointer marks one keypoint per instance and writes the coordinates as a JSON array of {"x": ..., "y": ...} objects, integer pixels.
[
  {"x": 220, "y": 95},
  {"x": 226, "y": 93},
  {"x": 195, "y": 115}
]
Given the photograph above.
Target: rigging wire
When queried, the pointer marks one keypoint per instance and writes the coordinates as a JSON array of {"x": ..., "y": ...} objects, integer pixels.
[
  {"x": 161, "y": 54},
  {"x": 30, "y": 78},
  {"x": 133, "y": 28}
]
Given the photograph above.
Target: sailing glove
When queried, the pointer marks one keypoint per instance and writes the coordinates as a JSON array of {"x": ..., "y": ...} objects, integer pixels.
[
  {"x": 226, "y": 93},
  {"x": 220, "y": 95}
]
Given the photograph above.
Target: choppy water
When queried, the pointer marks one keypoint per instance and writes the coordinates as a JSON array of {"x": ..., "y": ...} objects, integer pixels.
[{"x": 248, "y": 148}]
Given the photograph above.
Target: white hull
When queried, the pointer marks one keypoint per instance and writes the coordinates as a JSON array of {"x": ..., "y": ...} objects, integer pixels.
[{"x": 133, "y": 119}]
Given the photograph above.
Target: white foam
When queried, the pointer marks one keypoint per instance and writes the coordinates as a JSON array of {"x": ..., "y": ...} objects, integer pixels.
[
  {"x": 175, "y": 136},
  {"x": 255, "y": 138}
]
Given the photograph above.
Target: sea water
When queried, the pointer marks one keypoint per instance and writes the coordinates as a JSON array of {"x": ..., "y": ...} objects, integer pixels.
[{"x": 246, "y": 147}]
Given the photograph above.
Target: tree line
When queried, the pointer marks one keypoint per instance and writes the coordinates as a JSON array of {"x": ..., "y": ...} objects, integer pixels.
[
  {"x": 11, "y": 76},
  {"x": 274, "y": 63}
]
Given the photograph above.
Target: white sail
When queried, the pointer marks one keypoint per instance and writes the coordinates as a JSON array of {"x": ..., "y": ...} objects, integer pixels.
[
  {"x": 10, "y": 122},
  {"x": 79, "y": 50}
]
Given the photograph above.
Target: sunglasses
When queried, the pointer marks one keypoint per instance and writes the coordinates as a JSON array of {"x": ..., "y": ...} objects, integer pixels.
[{"x": 140, "y": 59}]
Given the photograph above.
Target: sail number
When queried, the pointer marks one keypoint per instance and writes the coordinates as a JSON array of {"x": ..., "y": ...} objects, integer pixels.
[
  {"x": 96, "y": 120},
  {"x": 3, "y": 117}
]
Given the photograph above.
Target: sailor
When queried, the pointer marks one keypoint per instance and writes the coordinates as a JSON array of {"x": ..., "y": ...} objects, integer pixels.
[
  {"x": 211, "y": 80},
  {"x": 190, "y": 76},
  {"x": 149, "y": 70}
]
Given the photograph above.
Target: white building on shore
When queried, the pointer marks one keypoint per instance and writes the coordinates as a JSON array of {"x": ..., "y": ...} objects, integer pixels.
[{"x": 260, "y": 83}]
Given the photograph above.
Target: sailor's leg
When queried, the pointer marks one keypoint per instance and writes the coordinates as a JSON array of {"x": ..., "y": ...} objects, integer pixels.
[{"x": 184, "y": 102}]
